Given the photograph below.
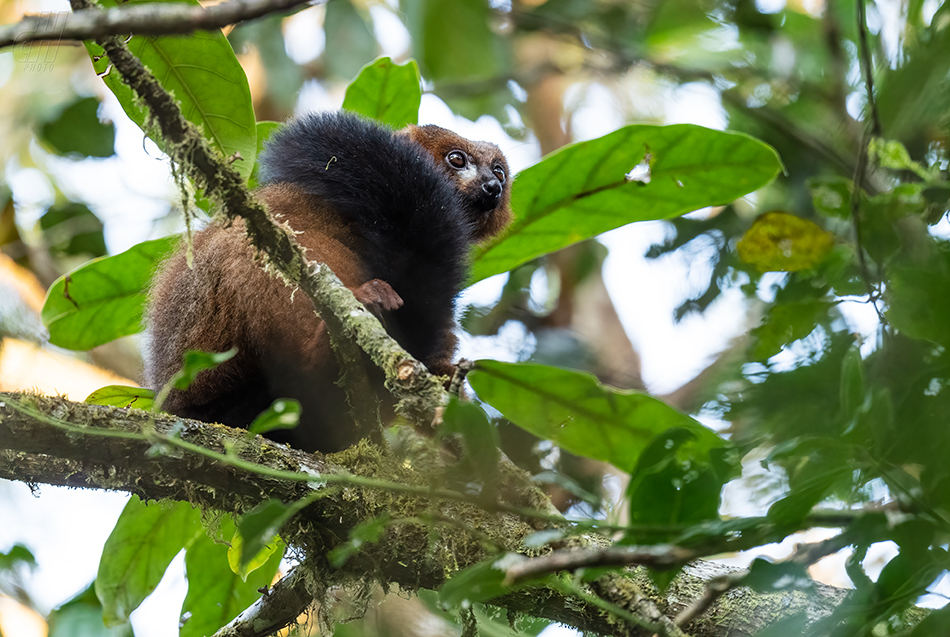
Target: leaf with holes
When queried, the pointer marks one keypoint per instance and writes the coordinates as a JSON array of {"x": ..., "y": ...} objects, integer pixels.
[{"x": 633, "y": 174}]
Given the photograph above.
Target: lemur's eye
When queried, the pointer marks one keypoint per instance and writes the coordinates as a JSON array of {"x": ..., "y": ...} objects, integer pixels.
[
  {"x": 499, "y": 173},
  {"x": 456, "y": 159}
]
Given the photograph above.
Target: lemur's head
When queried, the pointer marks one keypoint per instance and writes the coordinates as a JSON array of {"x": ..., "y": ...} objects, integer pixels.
[{"x": 480, "y": 171}]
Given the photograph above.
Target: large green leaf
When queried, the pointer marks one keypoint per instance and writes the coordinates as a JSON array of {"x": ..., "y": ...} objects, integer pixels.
[
  {"x": 71, "y": 229},
  {"x": 454, "y": 40},
  {"x": 103, "y": 299},
  {"x": 579, "y": 414},
  {"x": 387, "y": 92},
  {"x": 204, "y": 76},
  {"x": 215, "y": 593},
  {"x": 592, "y": 187},
  {"x": 142, "y": 544}
]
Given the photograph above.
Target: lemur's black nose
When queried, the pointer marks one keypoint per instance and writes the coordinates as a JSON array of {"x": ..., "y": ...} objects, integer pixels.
[{"x": 492, "y": 188}]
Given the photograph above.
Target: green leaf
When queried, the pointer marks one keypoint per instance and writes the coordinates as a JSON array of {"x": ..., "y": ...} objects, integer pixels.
[
  {"x": 197, "y": 362},
  {"x": 284, "y": 413},
  {"x": 259, "y": 527},
  {"x": 892, "y": 154},
  {"x": 237, "y": 553},
  {"x": 853, "y": 389},
  {"x": 780, "y": 242},
  {"x": 349, "y": 41},
  {"x": 831, "y": 196},
  {"x": 122, "y": 396},
  {"x": 139, "y": 549},
  {"x": 633, "y": 174},
  {"x": 768, "y": 577},
  {"x": 784, "y": 324},
  {"x": 369, "y": 531},
  {"x": 909, "y": 573},
  {"x": 103, "y": 299},
  {"x": 919, "y": 298},
  {"x": 78, "y": 130},
  {"x": 82, "y": 617},
  {"x": 481, "y": 437},
  {"x": 387, "y": 92},
  {"x": 817, "y": 465},
  {"x": 438, "y": 30},
  {"x": 479, "y": 583},
  {"x": 203, "y": 74},
  {"x": 17, "y": 555},
  {"x": 674, "y": 483},
  {"x": 216, "y": 594},
  {"x": 73, "y": 229},
  {"x": 264, "y": 132},
  {"x": 579, "y": 414}
]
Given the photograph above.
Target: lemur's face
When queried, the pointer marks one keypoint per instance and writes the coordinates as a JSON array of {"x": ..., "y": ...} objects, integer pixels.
[{"x": 479, "y": 169}]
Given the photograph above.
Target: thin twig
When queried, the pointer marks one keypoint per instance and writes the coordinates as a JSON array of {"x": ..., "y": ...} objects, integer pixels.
[
  {"x": 808, "y": 554},
  {"x": 867, "y": 67},
  {"x": 141, "y": 19},
  {"x": 647, "y": 614},
  {"x": 857, "y": 185},
  {"x": 715, "y": 588},
  {"x": 279, "y": 606},
  {"x": 657, "y": 556}
]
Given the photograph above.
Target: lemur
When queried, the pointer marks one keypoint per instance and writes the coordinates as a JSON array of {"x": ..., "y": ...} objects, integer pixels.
[{"x": 392, "y": 213}]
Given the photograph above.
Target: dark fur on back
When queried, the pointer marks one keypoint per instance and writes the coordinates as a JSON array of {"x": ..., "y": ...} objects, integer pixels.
[
  {"x": 409, "y": 219},
  {"x": 384, "y": 183},
  {"x": 388, "y": 219}
]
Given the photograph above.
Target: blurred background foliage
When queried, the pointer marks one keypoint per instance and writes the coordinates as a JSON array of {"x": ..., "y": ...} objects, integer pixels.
[{"x": 834, "y": 382}]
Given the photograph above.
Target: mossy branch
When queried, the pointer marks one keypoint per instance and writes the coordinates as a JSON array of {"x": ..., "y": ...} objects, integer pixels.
[{"x": 55, "y": 441}]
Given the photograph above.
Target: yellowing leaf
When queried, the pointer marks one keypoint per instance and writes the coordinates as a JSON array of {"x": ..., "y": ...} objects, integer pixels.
[
  {"x": 259, "y": 560},
  {"x": 778, "y": 241}
]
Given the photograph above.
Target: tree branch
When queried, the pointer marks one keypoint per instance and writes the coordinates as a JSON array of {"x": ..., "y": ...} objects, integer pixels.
[
  {"x": 278, "y": 606},
  {"x": 51, "y": 440},
  {"x": 657, "y": 556},
  {"x": 140, "y": 19}
]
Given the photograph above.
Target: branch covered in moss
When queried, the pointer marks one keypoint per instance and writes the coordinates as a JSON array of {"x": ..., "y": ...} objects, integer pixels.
[{"x": 54, "y": 441}]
